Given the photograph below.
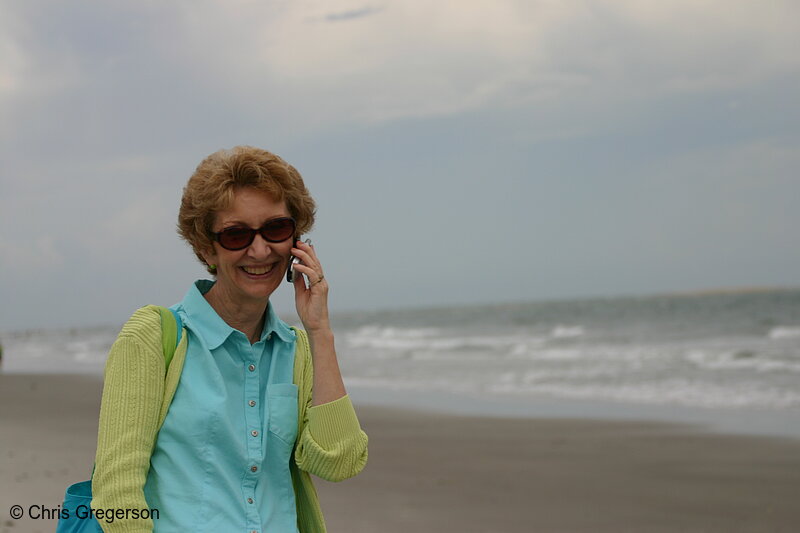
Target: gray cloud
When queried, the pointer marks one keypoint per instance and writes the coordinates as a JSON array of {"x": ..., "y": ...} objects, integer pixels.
[
  {"x": 352, "y": 14},
  {"x": 481, "y": 152}
]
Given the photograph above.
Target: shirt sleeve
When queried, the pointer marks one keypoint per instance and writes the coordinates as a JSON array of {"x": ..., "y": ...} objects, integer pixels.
[
  {"x": 133, "y": 390},
  {"x": 331, "y": 445}
]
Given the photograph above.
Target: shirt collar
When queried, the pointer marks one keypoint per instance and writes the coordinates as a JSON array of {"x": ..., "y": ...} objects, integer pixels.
[
  {"x": 273, "y": 324},
  {"x": 208, "y": 324}
]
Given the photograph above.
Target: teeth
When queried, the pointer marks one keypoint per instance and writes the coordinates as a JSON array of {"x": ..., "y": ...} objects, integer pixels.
[{"x": 257, "y": 270}]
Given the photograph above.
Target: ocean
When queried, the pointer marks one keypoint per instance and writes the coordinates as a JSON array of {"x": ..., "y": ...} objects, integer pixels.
[{"x": 727, "y": 359}]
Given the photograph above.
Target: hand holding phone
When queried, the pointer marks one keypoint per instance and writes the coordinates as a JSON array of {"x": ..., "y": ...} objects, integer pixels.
[{"x": 290, "y": 273}]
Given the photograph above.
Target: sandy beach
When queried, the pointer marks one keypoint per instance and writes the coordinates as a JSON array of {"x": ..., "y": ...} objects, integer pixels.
[{"x": 443, "y": 473}]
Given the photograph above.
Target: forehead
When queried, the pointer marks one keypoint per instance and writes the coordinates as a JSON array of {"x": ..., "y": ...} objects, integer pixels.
[{"x": 252, "y": 207}]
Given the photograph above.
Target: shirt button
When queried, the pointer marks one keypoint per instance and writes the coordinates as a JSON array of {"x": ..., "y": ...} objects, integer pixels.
[
  {"x": 249, "y": 500},
  {"x": 252, "y": 368},
  {"x": 269, "y": 336},
  {"x": 254, "y": 433},
  {"x": 254, "y": 469},
  {"x": 251, "y": 403}
]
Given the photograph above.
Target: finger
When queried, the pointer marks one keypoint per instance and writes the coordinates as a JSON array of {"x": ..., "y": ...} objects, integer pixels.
[
  {"x": 304, "y": 244},
  {"x": 298, "y": 281},
  {"x": 308, "y": 248},
  {"x": 312, "y": 273},
  {"x": 314, "y": 276},
  {"x": 305, "y": 257}
]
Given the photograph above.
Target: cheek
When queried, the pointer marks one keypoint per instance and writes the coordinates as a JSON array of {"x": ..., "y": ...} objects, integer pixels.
[{"x": 285, "y": 250}]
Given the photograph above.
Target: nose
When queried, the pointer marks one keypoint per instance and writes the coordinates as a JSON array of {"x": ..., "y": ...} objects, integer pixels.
[{"x": 259, "y": 248}]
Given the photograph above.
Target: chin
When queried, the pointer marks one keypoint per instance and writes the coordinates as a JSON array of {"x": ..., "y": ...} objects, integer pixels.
[{"x": 259, "y": 290}]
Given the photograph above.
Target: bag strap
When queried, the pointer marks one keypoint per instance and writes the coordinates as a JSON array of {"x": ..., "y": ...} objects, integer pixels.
[{"x": 171, "y": 328}]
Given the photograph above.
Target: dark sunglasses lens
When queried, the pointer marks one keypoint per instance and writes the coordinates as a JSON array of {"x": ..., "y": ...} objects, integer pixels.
[
  {"x": 236, "y": 238},
  {"x": 278, "y": 230}
]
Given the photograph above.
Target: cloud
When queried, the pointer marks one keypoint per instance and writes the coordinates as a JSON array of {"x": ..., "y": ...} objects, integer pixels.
[
  {"x": 351, "y": 14},
  {"x": 531, "y": 109},
  {"x": 420, "y": 59},
  {"x": 12, "y": 56},
  {"x": 410, "y": 59},
  {"x": 29, "y": 67}
]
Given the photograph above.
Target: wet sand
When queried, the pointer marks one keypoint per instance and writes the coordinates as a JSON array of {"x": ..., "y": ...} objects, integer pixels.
[{"x": 443, "y": 473}]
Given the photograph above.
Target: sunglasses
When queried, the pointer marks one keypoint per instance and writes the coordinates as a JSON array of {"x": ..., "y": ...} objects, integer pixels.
[{"x": 240, "y": 237}]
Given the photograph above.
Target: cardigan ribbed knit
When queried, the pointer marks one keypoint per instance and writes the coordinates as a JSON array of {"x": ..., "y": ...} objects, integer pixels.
[{"x": 136, "y": 397}]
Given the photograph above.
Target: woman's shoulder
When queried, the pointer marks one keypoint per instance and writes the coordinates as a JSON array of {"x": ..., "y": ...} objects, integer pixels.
[{"x": 143, "y": 325}]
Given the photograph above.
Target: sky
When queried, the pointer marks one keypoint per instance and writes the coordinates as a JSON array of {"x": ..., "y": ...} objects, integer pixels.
[{"x": 460, "y": 152}]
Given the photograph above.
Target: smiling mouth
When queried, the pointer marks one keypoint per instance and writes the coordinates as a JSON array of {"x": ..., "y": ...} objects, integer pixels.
[{"x": 258, "y": 271}]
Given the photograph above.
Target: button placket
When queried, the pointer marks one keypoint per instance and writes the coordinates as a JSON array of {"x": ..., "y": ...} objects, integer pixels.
[
  {"x": 252, "y": 420},
  {"x": 252, "y": 416}
]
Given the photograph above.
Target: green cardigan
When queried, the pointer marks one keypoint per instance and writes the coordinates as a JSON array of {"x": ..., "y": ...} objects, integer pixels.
[{"x": 136, "y": 398}]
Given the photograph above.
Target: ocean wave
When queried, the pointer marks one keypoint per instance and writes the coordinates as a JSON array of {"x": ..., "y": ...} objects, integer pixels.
[
  {"x": 403, "y": 342},
  {"x": 678, "y": 391},
  {"x": 740, "y": 359},
  {"x": 375, "y": 330},
  {"x": 567, "y": 332},
  {"x": 697, "y": 393},
  {"x": 784, "y": 332}
]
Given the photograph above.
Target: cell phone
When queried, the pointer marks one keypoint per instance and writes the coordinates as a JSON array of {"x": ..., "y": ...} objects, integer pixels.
[{"x": 290, "y": 273}]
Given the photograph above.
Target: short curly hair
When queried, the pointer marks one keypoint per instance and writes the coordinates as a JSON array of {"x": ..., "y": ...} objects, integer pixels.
[{"x": 212, "y": 186}]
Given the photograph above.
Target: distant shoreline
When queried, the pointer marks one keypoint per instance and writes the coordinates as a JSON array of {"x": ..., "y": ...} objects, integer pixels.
[
  {"x": 711, "y": 291},
  {"x": 781, "y": 423},
  {"x": 729, "y": 290},
  {"x": 344, "y": 313}
]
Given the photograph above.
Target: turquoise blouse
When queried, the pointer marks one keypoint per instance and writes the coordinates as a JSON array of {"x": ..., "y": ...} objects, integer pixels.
[{"x": 221, "y": 459}]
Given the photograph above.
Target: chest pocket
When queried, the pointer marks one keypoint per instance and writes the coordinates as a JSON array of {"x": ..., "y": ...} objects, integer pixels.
[{"x": 282, "y": 404}]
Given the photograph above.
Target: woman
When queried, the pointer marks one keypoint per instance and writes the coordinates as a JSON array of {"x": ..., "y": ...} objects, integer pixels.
[{"x": 246, "y": 411}]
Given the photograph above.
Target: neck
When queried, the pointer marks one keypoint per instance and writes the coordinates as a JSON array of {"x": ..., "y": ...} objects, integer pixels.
[{"x": 245, "y": 315}]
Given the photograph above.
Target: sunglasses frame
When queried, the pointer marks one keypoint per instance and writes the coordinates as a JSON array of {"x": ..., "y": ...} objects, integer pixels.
[{"x": 260, "y": 231}]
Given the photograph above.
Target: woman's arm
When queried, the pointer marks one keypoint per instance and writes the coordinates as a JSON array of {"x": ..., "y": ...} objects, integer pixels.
[
  {"x": 312, "y": 308},
  {"x": 133, "y": 391},
  {"x": 328, "y": 384},
  {"x": 331, "y": 444}
]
